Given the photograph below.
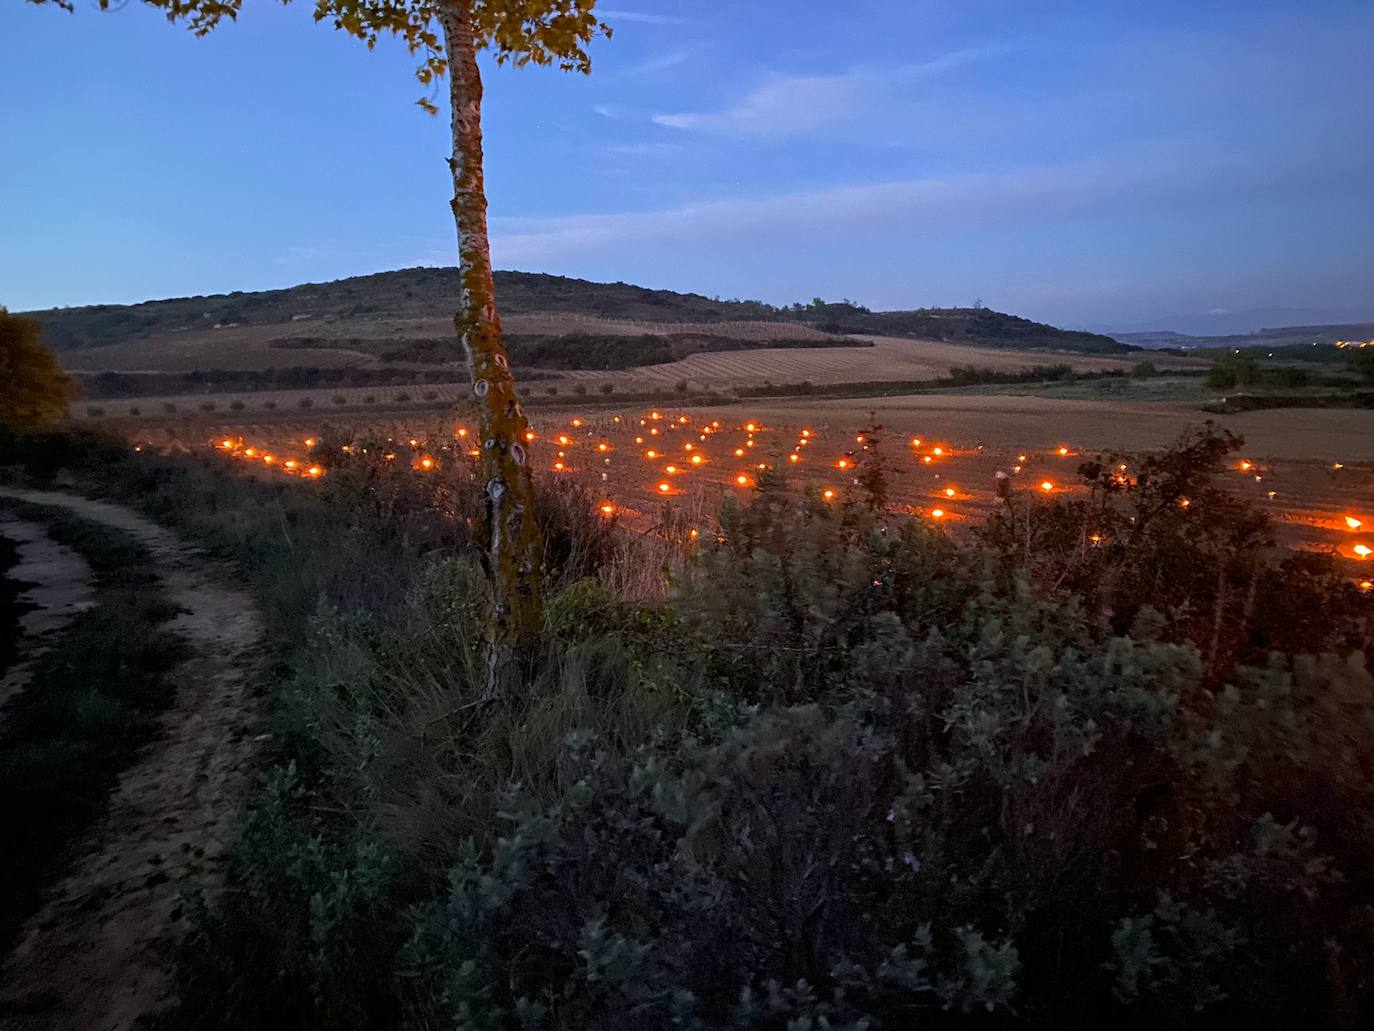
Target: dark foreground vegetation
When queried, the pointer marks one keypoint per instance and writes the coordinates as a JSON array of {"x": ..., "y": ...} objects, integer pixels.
[
  {"x": 92, "y": 704},
  {"x": 1106, "y": 764},
  {"x": 11, "y": 608}
]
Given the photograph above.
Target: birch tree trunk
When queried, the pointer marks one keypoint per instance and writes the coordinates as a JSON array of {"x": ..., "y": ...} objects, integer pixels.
[{"x": 515, "y": 549}]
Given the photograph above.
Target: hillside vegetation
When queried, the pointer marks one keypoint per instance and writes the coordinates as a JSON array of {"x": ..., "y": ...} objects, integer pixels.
[
  {"x": 824, "y": 767},
  {"x": 421, "y": 293}
]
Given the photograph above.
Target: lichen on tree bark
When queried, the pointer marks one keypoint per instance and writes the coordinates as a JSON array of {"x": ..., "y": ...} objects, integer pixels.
[{"x": 515, "y": 551}]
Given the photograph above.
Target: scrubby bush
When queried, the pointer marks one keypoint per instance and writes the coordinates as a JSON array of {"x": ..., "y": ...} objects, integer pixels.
[
  {"x": 306, "y": 402},
  {"x": 1236, "y": 368},
  {"x": 339, "y": 399},
  {"x": 1361, "y": 363},
  {"x": 33, "y": 388},
  {"x": 1109, "y": 764},
  {"x": 236, "y": 406},
  {"x": 1144, "y": 370}
]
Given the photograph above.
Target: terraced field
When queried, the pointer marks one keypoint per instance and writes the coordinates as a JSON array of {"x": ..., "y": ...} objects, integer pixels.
[
  {"x": 250, "y": 347},
  {"x": 890, "y": 358}
]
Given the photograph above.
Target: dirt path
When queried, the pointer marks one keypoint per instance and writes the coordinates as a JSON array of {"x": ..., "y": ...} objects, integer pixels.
[
  {"x": 100, "y": 953},
  {"x": 59, "y": 587}
]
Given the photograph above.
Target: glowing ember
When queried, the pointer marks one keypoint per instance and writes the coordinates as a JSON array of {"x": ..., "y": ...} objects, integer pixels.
[
  {"x": 794, "y": 457},
  {"x": 696, "y": 460},
  {"x": 1353, "y": 523},
  {"x": 664, "y": 488},
  {"x": 1063, "y": 452},
  {"x": 310, "y": 442},
  {"x": 949, "y": 492},
  {"x": 829, "y": 495},
  {"x": 1047, "y": 486},
  {"x": 1363, "y": 551},
  {"x": 742, "y": 480},
  {"x": 739, "y": 452},
  {"x": 937, "y": 513},
  {"x": 608, "y": 509},
  {"x": 842, "y": 464},
  {"x": 315, "y": 472}
]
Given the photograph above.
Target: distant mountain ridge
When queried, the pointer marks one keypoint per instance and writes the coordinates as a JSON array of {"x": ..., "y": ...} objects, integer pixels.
[
  {"x": 422, "y": 293},
  {"x": 1223, "y": 323},
  {"x": 1283, "y": 337}
]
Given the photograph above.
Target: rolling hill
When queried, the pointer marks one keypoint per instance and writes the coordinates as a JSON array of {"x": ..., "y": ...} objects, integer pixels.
[{"x": 412, "y": 304}]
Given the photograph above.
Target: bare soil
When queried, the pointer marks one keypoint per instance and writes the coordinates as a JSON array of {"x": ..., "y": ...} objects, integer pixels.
[
  {"x": 58, "y": 588},
  {"x": 100, "y": 953}
]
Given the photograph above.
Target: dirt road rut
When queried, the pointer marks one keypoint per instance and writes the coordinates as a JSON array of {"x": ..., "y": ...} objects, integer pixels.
[{"x": 100, "y": 953}]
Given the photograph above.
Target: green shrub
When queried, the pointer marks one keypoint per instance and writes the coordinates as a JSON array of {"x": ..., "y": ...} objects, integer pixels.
[{"x": 1106, "y": 764}]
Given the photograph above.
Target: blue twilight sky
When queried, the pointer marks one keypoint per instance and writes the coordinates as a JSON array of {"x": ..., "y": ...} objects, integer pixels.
[{"x": 1088, "y": 163}]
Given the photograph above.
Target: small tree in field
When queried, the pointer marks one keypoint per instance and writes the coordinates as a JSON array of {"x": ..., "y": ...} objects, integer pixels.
[
  {"x": 446, "y": 35},
  {"x": 33, "y": 387}
]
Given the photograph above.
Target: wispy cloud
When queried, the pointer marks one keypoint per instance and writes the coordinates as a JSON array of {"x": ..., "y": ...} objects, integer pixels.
[
  {"x": 783, "y": 106},
  {"x": 788, "y": 105},
  {"x": 661, "y": 63},
  {"x": 642, "y": 17},
  {"x": 1159, "y": 175}
]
